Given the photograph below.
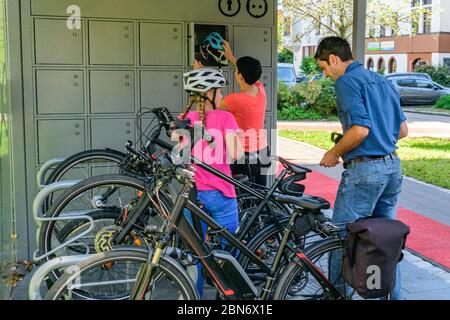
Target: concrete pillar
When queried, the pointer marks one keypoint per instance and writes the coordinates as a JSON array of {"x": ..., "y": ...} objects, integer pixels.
[{"x": 359, "y": 29}]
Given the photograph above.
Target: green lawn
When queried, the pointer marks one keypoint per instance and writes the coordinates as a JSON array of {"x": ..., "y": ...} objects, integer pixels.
[
  {"x": 426, "y": 159},
  {"x": 427, "y": 109}
]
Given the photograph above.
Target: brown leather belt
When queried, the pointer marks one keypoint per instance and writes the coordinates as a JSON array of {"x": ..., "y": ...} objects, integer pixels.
[{"x": 391, "y": 156}]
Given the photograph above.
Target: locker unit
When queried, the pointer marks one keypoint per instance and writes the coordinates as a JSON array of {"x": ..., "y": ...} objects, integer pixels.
[
  {"x": 82, "y": 87},
  {"x": 266, "y": 79},
  {"x": 50, "y": 84},
  {"x": 111, "y": 43},
  {"x": 59, "y": 138},
  {"x": 161, "y": 44},
  {"x": 153, "y": 83},
  {"x": 112, "y": 91},
  {"x": 255, "y": 42},
  {"x": 56, "y": 44},
  {"x": 111, "y": 133}
]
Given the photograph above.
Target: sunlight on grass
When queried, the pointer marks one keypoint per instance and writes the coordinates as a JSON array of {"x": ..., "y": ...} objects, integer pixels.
[{"x": 425, "y": 159}]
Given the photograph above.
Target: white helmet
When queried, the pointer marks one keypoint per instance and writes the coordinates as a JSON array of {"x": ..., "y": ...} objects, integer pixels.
[{"x": 204, "y": 79}]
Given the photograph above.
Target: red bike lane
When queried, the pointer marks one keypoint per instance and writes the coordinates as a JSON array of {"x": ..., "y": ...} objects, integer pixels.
[{"x": 428, "y": 238}]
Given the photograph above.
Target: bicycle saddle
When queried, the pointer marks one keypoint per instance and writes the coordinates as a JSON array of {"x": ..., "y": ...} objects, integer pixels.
[
  {"x": 306, "y": 202},
  {"x": 242, "y": 178},
  {"x": 295, "y": 168}
]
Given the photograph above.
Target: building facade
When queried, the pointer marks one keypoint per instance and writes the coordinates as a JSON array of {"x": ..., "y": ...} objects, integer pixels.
[
  {"x": 403, "y": 53},
  {"x": 385, "y": 51}
]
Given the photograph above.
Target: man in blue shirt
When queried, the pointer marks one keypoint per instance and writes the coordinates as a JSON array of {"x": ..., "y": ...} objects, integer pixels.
[{"x": 373, "y": 121}]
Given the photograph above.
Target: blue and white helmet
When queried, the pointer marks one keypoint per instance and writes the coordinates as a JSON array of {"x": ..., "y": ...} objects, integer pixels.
[
  {"x": 202, "y": 80},
  {"x": 212, "y": 47}
]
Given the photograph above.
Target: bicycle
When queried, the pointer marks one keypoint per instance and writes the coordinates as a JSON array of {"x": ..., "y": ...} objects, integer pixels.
[{"x": 226, "y": 273}]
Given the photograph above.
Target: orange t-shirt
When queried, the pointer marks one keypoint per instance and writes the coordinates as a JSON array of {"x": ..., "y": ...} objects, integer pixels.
[{"x": 249, "y": 114}]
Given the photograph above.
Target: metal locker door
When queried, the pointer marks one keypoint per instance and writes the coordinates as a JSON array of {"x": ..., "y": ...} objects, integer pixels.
[
  {"x": 254, "y": 42},
  {"x": 147, "y": 125},
  {"x": 161, "y": 44},
  {"x": 229, "y": 88},
  {"x": 162, "y": 89},
  {"x": 60, "y": 91},
  {"x": 57, "y": 44},
  {"x": 111, "y": 43},
  {"x": 112, "y": 91},
  {"x": 59, "y": 138},
  {"x": 266, "y": 79},
  {"x": 112, "y": 133},
  {"x": 268, "y": 127}
]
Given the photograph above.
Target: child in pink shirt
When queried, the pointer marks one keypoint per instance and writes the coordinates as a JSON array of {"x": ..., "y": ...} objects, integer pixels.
[{"x": 217, "y": 196}]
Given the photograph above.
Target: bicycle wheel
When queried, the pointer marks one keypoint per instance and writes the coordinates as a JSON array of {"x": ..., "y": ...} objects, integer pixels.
[
  {"x": 112, "y": 275},
  {"x": 78, "y": 165},
  {"x": 84, "y": 165},
  {"x": 264, "y": 245},
  {"x": 111, "y": 195},
  {"x": 296, "y": 283}
]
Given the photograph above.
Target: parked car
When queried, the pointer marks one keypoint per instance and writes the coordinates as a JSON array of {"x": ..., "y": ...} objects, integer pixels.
[
  {"x": 419, "y": 75},
  {"x": 417, "y": 91},
  {"x": 286, "y": 73},
  {"x": 316, "y": 77}
]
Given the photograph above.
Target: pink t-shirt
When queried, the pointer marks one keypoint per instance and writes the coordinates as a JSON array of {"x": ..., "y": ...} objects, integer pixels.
[{"x": 218, "y": 123}]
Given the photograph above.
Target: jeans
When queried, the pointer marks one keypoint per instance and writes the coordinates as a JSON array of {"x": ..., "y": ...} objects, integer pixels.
[
  {"x": 367, "y": 189},
  {"x": 224, "y": 211}
]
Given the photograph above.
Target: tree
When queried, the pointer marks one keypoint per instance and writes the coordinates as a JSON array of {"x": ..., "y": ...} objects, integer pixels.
[
  {"x": 335, "y": 17},
  {"x": 310, "y": 66},
  {"x": 285, "y": 56}
]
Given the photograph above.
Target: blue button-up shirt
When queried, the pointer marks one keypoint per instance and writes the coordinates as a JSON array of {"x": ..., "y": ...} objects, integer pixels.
[{"x": 367, "y": 99}]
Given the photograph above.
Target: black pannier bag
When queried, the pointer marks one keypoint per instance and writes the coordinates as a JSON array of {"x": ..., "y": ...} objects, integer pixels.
[{"x": 374, "y": 248}]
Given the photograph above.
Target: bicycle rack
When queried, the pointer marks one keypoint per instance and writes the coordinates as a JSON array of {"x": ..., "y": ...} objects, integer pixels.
[
  {"x": 34, "y": 289},
  {"x": 42, "y": 173},
  {"x": 38, "y": 216}
]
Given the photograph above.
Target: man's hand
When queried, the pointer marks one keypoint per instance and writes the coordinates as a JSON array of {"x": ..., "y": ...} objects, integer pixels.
[
  {"x": 228, "y": 52},
  {"x": 198, "y": 64},
  {"x": 330, "y": 159}
]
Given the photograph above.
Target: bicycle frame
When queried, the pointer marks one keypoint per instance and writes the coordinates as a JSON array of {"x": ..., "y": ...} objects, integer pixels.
[{"x": 227, "y": 286}]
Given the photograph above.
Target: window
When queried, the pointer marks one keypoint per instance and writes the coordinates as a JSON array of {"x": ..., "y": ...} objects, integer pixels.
[
  {"x": 370, "y": 64},
  {"x": 286, "y": 74},
  {"x": 392, "y": 65},
  {"x": 426, "y": 23},
  {"x": 406, "y": 83},
  {"x": 427, "y": 2},
  {"x": 424, "y": 84},
  {"x": 287, "y": 26},
  {"x": 447, "y": 62},
  {"x": 382, "y": 31},
  {"x": 418, "y": 62},
  {"x": 381, "y": 65}
]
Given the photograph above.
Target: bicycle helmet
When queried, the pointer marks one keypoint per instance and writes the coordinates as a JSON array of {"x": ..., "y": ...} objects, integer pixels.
[
  {"x": 212, "y": 47},
  {"x": 203, "y": 80}
]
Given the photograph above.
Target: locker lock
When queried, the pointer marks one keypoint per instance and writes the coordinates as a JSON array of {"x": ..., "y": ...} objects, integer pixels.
[
  {"x": 128, "y": 132},
  {"x": 76, "y": 84},
  {"x": 75, "y": 34},
  {"x": 77, "y": 133},
  {"x": 127, "y": 84},
  {"x": 175, "y": 37}
]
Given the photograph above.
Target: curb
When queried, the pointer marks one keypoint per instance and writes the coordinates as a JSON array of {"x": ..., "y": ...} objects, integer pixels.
[{"x": 428, "y": 113}]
